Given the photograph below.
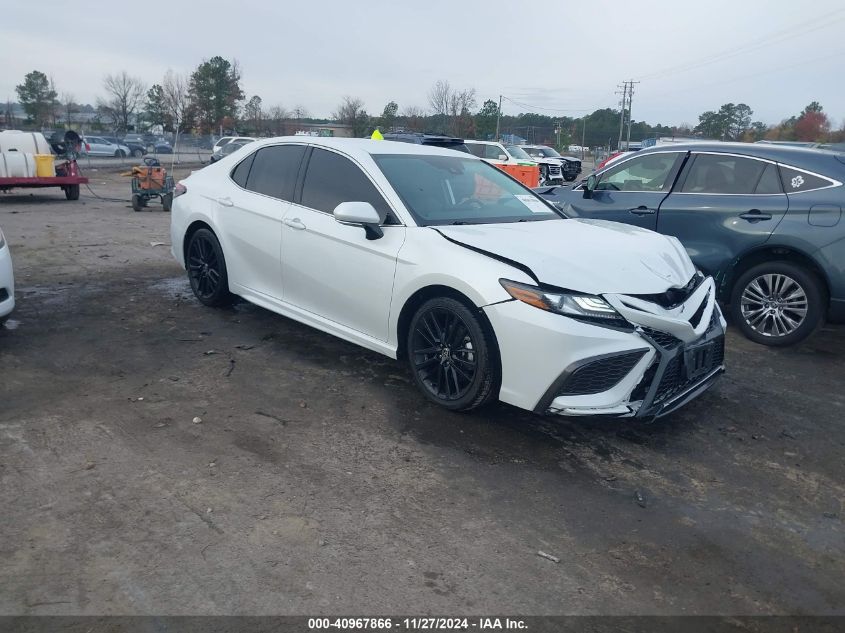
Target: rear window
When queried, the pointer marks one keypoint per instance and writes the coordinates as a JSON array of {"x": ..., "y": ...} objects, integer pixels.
[
  {"x": 795, "y": 181},
  {"x": 274, "y": 170}
]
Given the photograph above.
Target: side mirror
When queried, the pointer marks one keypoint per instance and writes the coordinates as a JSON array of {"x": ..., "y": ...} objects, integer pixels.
[
  {"x": 590, "y": 185},
  {"x": 362, "y": 214},
  {"x": 503, "y": 156}
]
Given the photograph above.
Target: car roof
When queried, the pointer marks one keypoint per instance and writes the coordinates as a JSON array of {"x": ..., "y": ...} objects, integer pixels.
[
  {"x": 365, "y": 146},
  {"x": 779, "y": 153},
  {"x": 483, "y": 142}
]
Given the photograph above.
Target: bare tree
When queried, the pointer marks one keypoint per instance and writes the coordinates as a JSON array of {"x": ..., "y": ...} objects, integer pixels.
[
  {"x": 414, "y": 118},
  {"x": 351, "y": 112},
  {"x": 300, "y": 112},
  {"x": 68, "y": 108},
  {"x": 277, "y": 115},
  {"x": 439, "y": 98},
  {"x": 177, "y": 103},
  {"x": 461, "y": 104},
  {"x": 124, "y": 95}
]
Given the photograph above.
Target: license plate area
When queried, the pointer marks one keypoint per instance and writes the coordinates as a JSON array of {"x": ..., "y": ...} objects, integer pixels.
[{"x": 698, "y": 360}]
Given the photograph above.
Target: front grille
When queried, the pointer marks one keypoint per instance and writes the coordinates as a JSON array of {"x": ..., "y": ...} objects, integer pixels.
[
  {"x": 554, "y": 169},
  {"x": 675, "y": 380},
  {"x": 664, "y": 339},
  {"x": 4, "y": 294},
  {"x": 600, "y": 375}
]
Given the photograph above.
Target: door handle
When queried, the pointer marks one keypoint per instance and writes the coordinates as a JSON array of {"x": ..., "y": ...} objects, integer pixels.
[
  {"x": 295, "y": 223},
  {"x": 225, "y": 202},
  {"x": 755, "y": 216},
  {"x": 642, "y": 210}
]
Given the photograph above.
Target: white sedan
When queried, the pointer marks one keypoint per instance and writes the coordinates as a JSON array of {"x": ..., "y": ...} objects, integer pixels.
[
  {"x": 7, "y": 280},
  {"x": 435, "y": 257}
]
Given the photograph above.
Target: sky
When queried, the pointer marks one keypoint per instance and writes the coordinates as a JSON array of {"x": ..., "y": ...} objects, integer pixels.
[{"x": 562, "y": 59}]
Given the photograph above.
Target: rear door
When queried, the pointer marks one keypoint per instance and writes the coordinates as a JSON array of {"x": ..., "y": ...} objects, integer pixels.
[
  {"x": 631, "y": 191},
  {"x": 722, "y": 206},
  {"x": 331, "y": 269},
  {"x": 249, "y": 215}
]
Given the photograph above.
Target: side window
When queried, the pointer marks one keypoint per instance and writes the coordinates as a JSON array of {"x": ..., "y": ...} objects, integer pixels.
[
  {"x": 769, "y": 181},
  {"x": 274, "y": 170},
  {"x": 332, "y": 179},
  {"x": 794, "y": 180},
  {"x": 476, "y": 149},
  {"x": 241, "y": 171},
  {"x": 719, "y": 173},
  {"x": 650, "y": 172},
  {"x": 492, "y": 152}
]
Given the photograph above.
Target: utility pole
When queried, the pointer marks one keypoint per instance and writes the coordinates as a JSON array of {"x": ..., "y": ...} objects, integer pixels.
[
  {"x": 630, "y": 98},
  {"x": 624, "y": 94},
  {"x": 498, "y": 116}
]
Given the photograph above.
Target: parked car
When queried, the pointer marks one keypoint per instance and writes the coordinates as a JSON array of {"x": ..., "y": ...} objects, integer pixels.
[
  {"x": 219, "y": 146},
  {"x": 763, "y": 219},
  {"x": 7, "y": 280},
  {"x": 570, "y": 166},
  {"x": 135, "y": 149},
  {"x": 146, "y": 139},
  {"x": 435, "y": 140},
  {"x": 439, "y": 258},
  {"x": 160, "y": 146},
  {"x": 613, "y": 158},
  {"x": 99, "y": 146},
  {"x": 230, "y": 148}
]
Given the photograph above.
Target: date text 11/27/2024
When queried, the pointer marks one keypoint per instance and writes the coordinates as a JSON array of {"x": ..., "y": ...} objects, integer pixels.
[{"x": 416, "y": 624}]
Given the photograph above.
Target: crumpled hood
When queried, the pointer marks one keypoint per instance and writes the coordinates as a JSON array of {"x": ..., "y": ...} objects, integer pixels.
[{"x": 590, "y": 256}]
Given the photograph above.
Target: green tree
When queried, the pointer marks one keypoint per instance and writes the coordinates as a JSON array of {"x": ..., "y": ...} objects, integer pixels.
[
  {"x": 37, "y": 97},
  {"x": 215, "y": 91},
  {"x": 254, "y": 114},
  {"x": 155, "y": 110},
  {"x": 485, "y": 120},
  {"x": 387, "y": 120}
]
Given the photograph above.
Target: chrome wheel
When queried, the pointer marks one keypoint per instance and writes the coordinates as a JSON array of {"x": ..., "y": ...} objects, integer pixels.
[
  {"x": 774, "y": 305},
  {"x": 443, "y": 354}
]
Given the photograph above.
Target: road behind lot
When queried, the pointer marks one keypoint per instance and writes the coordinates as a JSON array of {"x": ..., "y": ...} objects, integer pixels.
[{"x": 320, "y": 481}]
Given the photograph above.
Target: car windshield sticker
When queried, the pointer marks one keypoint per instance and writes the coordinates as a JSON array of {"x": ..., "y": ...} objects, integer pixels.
[
  {"x": 797, "y": 182},
  {"x": 534, "y": 205}
]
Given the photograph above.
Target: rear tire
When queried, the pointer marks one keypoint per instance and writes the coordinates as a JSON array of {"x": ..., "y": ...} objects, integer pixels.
[
  {"x": 207, "y": 270},
  {"x": 452, "y": 355},
  {"x": 138, "y": 153},
  {"x": 167, "y": 201},
  {"x": 778, "y": 303},
  {"x": 137, "y": 202},
  {"x": 72, "y": 192}
]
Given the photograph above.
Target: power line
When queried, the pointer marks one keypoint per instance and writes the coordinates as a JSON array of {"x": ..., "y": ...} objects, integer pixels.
[
  {"x": 536, "y": 107},
  {"x": 802, "y": 28}
]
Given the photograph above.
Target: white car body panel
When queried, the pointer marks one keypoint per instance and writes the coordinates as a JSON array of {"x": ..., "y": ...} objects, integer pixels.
[
  {"x": 7, "y": 280},
  {"x": 303, "y": 264}
]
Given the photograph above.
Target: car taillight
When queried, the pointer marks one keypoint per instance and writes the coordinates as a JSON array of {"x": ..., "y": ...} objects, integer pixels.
[
  {"x": 179, "y": 189},
  {"x": 87, "y": 147}
]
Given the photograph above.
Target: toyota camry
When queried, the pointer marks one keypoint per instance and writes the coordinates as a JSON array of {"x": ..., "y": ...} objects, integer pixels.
[{"x": 437, "y": 258}]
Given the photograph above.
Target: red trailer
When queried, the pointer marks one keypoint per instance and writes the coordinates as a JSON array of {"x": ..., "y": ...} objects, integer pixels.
[{"x": 67, "y": 177}]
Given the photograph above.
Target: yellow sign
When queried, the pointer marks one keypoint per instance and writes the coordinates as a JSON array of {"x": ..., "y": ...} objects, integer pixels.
[{"x": 377, "y": 136}]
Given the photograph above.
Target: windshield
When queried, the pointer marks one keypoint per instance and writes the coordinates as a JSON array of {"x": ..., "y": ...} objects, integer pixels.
[
  {"x": 518, "y": 152},
  {"x": 456, "y": 190},
  {"x": 547, "y": 152}
]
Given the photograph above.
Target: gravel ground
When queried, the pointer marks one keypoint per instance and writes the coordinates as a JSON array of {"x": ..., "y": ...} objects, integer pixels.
[{"x": 319, "y": 481}]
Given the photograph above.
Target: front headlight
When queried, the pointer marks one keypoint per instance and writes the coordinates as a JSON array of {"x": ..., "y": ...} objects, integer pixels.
[{"x": 580, "y": 306}]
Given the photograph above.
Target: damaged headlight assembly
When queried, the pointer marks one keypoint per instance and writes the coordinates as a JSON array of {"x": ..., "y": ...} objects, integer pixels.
[{"x": 583, "y": 307}]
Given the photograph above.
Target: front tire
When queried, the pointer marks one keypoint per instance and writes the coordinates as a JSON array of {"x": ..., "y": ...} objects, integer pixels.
[
  {"x": 778, "y": 303},
  {"x": 138, "y": 153},
  {"x": 570, "y": 177},
  {"x": 452, "y": 355},
  {"x": 72, "y": 192},
  {"x": 207, "y": 270}
]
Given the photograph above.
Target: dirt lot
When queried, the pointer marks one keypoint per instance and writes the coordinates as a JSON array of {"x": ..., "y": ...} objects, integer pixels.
[{"x": 320, "y": 481}]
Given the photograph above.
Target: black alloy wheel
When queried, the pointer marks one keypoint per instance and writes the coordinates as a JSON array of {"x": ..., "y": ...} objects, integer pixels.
[
  {"x": 207, "y": 269},
  {"x": 451, "y": 355}
]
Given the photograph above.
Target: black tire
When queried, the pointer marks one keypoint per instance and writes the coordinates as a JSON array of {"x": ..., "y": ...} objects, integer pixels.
[
  {"x": 570, "y": 177},
  {"x": 72, "y": 192},
  {"x": 137, "y": 153},
  {"x": 452, "y": 355},
  {"x": 167, "y": 201},
  {"x": 778, "y": 303},
  {"x": 137, "y": 202},
  {"x": 207, "y": 269}
]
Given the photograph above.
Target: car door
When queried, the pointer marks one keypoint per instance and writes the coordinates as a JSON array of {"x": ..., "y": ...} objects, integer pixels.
[
  {"x": 722, "y": 206},
  {"x": 249, "y": 213},
  {"x": 630, "y": 192},
  {"x": 331, "y": 269},
  {"x": 97, "y": 146}
]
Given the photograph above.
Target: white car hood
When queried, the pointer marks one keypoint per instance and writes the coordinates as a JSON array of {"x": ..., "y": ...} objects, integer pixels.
[{"x": 590, "y": 256}]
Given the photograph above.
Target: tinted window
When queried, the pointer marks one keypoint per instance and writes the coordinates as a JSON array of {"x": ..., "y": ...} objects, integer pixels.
[
  {"x": 492, "y": 152},
  {"x": 715, "y": 173},
  {"x": 769, "y": 181},
  {"x": 476, "y": 149},
  {"x": 274, "y": 170},
  {"x": 794, "y": 180},
  {"x": 644, "y": 173},
  {"x": 240, "y": 173},
  {"x": 332, "y": 179}
]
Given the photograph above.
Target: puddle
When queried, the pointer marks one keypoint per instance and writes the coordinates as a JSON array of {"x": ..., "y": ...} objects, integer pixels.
[
  {"x": 174, "y": 287},
  {"x": 11, "y": 324}
]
